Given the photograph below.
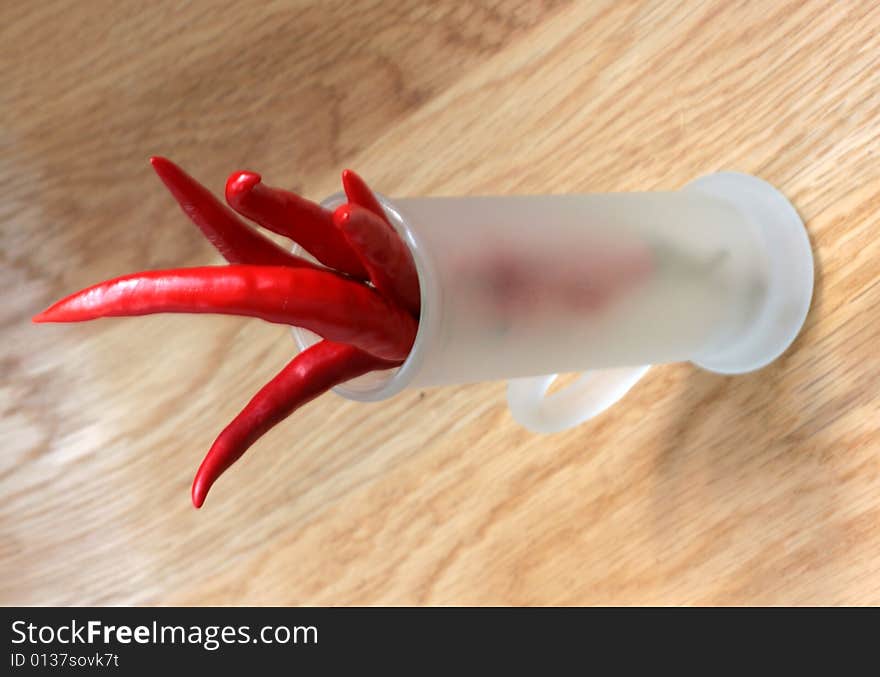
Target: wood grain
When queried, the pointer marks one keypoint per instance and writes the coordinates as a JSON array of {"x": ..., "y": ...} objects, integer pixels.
[{"x": 697, "y": 489}]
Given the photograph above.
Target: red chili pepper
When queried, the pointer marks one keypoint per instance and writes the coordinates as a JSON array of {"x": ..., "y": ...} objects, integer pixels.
[
  {"x": 368, "y": 328},
  {"x": 383, "y": 253},
  {"x": 288, "y": 214},
  {"x": 338, "y": 309},
  {"x": 358, "y": 192},
  {"x": 234, "y": 239},
  {"x": 308, "y": 375}
]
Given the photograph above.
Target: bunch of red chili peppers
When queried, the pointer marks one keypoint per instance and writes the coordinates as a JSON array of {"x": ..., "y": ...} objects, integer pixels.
[{"x": 363, "y": 300}]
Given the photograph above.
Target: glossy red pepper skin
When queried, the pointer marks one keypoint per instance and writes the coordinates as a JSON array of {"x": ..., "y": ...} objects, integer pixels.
[
  {"x": 311, "y": 373},
  {"x": 233, "y": 238},
  {"x": 369, "y": 328},
  {"x": 383, "y": 253},
  {"x": 336, "y": 308},
  {"x": 303, "y": 221},
  {"x": 358, "y": 192}
]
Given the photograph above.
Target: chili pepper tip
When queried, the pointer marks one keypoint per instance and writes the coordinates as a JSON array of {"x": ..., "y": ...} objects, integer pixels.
[
  {"x": 358, "y": 192},
  {"x": 241, "y": 182},
  {"x": 54, "y": 313},
  {"x": 232, "y": 237},
  {"x": 303, "y": 221},
  {"x": 179, "y": 183},
  {"x": 199, "y": 491}
]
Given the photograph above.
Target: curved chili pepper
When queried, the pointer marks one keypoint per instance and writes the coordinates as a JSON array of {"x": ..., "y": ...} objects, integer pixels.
[
  {"x": 311, "y": 373},
  {"x": 336, "y": 308},
  {"x": 383, "y": 253},
  {"x": 368, "y": 328},
  {"x": 358, "y": 192},
  {"x": 303, "y": 221},
  {"x": 233, "y": 238}
]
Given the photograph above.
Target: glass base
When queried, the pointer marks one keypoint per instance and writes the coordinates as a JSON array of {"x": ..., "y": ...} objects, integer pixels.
[{"x": 790, "y": 275}]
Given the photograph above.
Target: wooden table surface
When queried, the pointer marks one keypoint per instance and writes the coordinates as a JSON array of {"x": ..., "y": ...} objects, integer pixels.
[{"x": 696, "y": 489}]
